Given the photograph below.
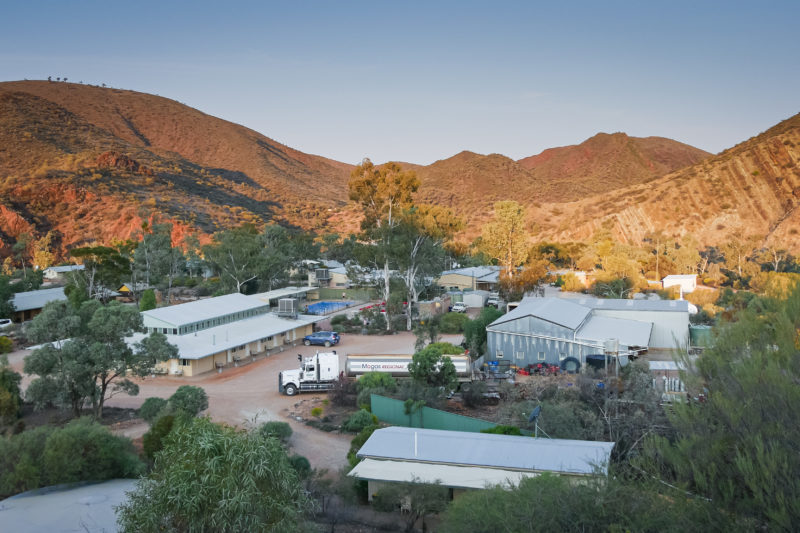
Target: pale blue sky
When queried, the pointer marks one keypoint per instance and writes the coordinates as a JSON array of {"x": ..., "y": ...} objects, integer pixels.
[{"x": 421, "y": 81}]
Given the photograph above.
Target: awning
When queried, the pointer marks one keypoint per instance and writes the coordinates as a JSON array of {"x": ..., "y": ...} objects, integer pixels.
[{"x": 465, "y": 477}]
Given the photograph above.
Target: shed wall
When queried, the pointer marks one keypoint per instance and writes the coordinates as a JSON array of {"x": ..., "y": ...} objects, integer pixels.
[{"x": 529, "y": 340}]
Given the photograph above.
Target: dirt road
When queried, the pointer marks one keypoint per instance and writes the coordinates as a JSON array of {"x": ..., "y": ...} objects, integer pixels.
[{"x": 248, "y": 395}]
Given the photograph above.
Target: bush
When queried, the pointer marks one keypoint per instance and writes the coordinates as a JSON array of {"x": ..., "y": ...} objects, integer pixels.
[
  {"x": 152, "y": 408},
  {"x": 300, "y": 465},
  {"x": 342, "y": 392},
  {"x": 153, "y": 440},
  {"x": 453, "y": 323},
  {"x": 339, "y": 320},
  {"x": 316, "y": 411},
  {"x": 279, "y": 430},
  {"x": 357, "y": 442},
  {"x": 10, "y": 397},
  {"x": 81, "y": 451},
  {"x": 148, "y": 300},
  {"x": 6, "y": 345},
  {"x": 473, "y": 393},
  {"x": 503, "y": 430},
  {"x": 359, "y": 420},
  {"x": 189, "y": 399},
  {"x": 376, "y": 380}
]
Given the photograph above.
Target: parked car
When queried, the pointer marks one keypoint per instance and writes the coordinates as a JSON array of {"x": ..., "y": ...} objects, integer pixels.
[
  {"x": 322, "y": 338},
  {"x": 459, "y": 307},
  {"x": 493, "y": 302},
  {"x": 5, "y": 323}
]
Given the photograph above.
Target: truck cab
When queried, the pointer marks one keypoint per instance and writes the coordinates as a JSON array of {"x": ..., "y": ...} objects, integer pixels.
[{"x": 316, "y": 373}]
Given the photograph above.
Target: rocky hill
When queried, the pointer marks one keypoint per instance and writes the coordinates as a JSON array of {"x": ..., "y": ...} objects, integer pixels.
[
  {"x": 606, "y": 162},
  {"x": 470, "y": 183},
  {"x": 752, "y": 189},
  {"x": 91, "y": 162}
]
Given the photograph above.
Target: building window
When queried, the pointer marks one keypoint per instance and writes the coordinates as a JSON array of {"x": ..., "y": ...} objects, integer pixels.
[
  {"x": 499, "y": 355},
  {"x": 541, "y": 356},
  {"x": 185, "y": 362},
  {"x": 562, "y": 356},
  {"x": 520, "y": 356},
  {"x": 174, "y": 331},
  {"x": 164, "y": 331},
  {"x": 269, "y": 338}
]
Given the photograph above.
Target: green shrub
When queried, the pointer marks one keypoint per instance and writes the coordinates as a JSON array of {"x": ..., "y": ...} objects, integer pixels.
[
  {"x": 503, "y": 430},
  {"x": 6, "y": 345},
  {"x": 316, "y": 411},
  {"x": 81, "y": 451},
  {"x": 151, "y": 409},
  {"x": 376, "y": 380},
  {"x": 453, "y": 323},
  {"x": 359, "y": 420},
  {"x": 300, "y": 465},
  {"x": 10, "y": 396},
  {"x": 446, "y": 348},
  {"x": 280, "y": 430},
  {"x": 153, "y": 440},
  {"x": 189, "y": 399},
  {"x": 148, "y": 300},
  {"x": 358, "y": 441},
  {"x": 339, "y": 320}
]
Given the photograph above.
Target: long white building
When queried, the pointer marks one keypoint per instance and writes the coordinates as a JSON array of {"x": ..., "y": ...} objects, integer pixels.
[{"x": 220, "y": 331}]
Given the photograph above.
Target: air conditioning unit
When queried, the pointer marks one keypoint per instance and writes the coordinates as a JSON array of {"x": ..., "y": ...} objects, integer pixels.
[{"x": 288, "y": 307}]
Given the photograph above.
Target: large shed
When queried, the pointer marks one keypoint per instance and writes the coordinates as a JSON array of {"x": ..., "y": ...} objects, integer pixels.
[
  {"x": 464, "y": 460},
  {"x": 548, "y": 330}
]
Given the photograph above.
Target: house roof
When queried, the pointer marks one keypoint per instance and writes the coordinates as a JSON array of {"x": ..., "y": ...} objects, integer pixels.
[
  {"x": 488, "y": 450},
  {"x": 633, "y": 305},
  {"x": 473, "y": 272},
  {"x": 677, "y": 277},
  {"x": 63, "y": 268},
  {"x": 25, "y": 301},
  {"x": 559, "y": 311},
  {"x": 206, "y": 309},
  {"x": 456, "y": 476},
  {"x": 214, "y": 340},
  {"x": 285, "y": 292},
  {"x": 628, "y": 332}
]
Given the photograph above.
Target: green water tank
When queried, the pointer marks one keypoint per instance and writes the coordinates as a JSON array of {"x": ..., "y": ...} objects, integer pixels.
[{"x": 700, "y": 336}]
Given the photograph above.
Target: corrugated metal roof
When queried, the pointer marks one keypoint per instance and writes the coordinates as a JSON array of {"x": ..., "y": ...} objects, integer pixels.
[
  {"x": 188, "y": 313},
  {"x": 488, "y": 450},
  {"x": 462, "y": 477},
  {"x": 214, "y": 340},
  {"x": 25, "y": 301},
  {"x": 559, "y": 311},
  {"x": 680, "y": 277},
  {"x": 473, "y": 272},
  {"x": 64, "y": 268},
  {"x": 285, "y": 292},
  {"x": 634, "y": 305},
  {"x": 629, "y": 332}
]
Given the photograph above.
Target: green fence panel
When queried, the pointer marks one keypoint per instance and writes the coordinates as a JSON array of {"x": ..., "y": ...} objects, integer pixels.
[{"x": 393, "y": 412}]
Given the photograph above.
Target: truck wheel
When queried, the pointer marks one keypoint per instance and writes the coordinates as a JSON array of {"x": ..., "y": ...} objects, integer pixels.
[
  {"x": 307, "y": 342},
  {"x": 327, "y": 344},
  {"x": 291, "y": 390}
]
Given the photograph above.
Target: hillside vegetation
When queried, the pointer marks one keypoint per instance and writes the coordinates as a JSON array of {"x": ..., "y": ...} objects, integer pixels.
[
  {"x": 752, "y": 189},
  {"x": 91, "y": 164}
]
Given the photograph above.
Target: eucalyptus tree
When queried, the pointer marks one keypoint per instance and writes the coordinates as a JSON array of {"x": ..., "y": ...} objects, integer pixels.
[{"x": 383, "y": 193}]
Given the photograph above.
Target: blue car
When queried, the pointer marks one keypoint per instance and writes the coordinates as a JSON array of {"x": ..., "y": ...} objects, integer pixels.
[{"x": 322, "y": 338}]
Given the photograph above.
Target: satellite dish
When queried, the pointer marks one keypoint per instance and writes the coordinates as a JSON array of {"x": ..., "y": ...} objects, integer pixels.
[{"x": 535, "y": 413}]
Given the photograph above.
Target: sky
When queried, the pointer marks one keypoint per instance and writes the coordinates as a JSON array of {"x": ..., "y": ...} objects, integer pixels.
[{"x": 422, "y": 81}]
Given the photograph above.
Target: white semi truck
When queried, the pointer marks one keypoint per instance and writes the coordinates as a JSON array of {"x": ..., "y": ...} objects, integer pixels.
[{"x": 318, "y": 372}]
